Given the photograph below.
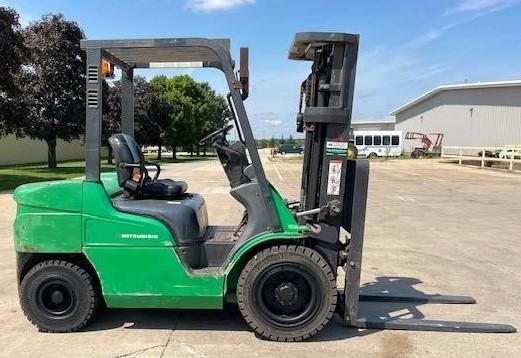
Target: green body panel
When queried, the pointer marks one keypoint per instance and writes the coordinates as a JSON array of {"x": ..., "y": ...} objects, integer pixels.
[
  {"x": 48, "y": 218},
  {"x": 105, "y": 226},
  {"x": 152, "y": 277},
  {"x": 59, "y": 195},
  {"x": 134, "y": 256}
]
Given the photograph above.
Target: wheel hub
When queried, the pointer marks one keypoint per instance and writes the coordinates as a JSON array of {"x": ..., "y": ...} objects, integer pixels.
[
  {"x": 286, "y": 293},
  {"x": 57, "y": 297}
]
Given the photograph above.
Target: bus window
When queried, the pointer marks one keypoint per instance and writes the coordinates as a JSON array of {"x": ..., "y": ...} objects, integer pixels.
[
  {"x": 359, "y": 140},
  {"x": 395, "y": 140},
  {"x": 377, "y": 140},
  {"x": 387, "y": 140},
  {"x": 368, "y": 140}
]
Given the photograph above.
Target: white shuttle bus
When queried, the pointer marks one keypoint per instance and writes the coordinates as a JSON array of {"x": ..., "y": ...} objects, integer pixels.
[{"x": 372, "y": 144}]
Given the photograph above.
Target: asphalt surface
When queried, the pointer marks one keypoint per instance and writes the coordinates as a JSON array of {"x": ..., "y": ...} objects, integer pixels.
[{"x": 431, "y": 228}]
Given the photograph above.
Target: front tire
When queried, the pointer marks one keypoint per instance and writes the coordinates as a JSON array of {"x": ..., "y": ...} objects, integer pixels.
[
  {"x": 58, "y": 296},
  {"x": 287, "y": 293}
]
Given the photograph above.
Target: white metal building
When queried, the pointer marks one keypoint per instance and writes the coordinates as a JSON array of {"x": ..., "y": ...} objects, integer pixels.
[
  {"x": 379, "y": 124},
  {"x": 25, "y": 150},
  {"x": 470, "y": 114}
]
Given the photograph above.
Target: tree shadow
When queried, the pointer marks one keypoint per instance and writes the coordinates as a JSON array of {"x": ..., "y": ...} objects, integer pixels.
[{"x": 230, "y": 319}]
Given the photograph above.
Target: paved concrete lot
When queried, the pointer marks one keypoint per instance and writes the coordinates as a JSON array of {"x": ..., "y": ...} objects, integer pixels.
[{"x": 431, "y": 227}]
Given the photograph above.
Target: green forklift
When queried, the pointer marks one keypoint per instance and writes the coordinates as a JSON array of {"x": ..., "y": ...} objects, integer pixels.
[{"x": 131, "y": 239}]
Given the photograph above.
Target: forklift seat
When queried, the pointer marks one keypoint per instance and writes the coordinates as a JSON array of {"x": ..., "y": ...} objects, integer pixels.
[
  {"x": 186, "y": 217},
  {"x": 133, "y": 174}
]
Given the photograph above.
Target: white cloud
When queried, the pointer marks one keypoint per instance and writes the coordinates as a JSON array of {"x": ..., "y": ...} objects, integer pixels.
[
  {"x": 272, "y": 121},
  {"x": 216, "y": 5},
  {"x": 480, "y": 6},
  {"x": 465, "y": 12}
]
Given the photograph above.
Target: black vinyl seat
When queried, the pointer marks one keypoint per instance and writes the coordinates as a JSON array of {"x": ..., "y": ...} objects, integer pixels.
[
  {"x": 186, "y": 217},
  {"x": 133, "y": 174}
]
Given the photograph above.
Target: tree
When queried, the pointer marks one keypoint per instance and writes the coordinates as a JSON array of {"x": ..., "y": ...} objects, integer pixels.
[
  {"x": 195, "y": 110},
  {"x": 13, "y": 54},
  {"x": 214, "y": 111},
  {"x": 291, "y": 140},
  {"x": 150, "y": 113},
  {"x": 54, "y": 82},
  {"x": 111, "y": 108}
]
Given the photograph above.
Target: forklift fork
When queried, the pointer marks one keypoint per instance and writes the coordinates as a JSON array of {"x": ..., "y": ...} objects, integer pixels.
[{"x": 356, "y": 198}]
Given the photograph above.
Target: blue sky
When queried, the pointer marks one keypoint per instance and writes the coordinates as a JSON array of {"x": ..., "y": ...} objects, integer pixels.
[{"x": 407, "y": 47}]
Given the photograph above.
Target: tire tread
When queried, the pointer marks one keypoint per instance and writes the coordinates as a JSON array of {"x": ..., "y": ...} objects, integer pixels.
[
  {"x": 83, "y": 274},
  {"x": 249, "y": 317}
]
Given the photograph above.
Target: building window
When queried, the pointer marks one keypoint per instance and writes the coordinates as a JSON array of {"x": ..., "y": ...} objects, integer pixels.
[
  {"x": 387, "y": 140},
  {"x": 377, "y": 140},
  {"x": 368, "y": 140},
  {"x": 359, "y": 140},
  {"x": 395, "y": 140}
]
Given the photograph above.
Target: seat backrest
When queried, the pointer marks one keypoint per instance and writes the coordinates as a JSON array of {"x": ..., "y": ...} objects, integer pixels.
[{"x": 126, "y": 150}]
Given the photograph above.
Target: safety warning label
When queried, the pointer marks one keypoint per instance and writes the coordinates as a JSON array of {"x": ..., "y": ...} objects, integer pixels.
[
  {"x": 336, "y": 148},
  {"x": 334, "y": 176}
]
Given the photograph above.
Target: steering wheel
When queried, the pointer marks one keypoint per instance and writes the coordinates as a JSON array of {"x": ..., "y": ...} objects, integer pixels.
[{"x": 224, "y": 130}]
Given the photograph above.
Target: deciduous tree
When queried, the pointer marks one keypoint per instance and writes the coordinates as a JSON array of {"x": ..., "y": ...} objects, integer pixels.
[
  {"x": 195, "y": 110},
  {"x": 55, "y": 82},
  {"x": 13, "y": 54}
]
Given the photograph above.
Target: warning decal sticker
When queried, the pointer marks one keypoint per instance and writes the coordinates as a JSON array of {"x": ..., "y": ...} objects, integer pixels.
[
  {"x": 334, "y": 176},
  {"x": 336, "y": 148}
]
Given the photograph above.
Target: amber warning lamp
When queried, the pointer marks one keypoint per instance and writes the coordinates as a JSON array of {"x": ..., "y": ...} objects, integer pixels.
[{"x": 107, "y": 69}]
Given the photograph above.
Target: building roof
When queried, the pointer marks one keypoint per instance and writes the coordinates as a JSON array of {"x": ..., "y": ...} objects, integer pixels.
[
  {"x": 435, "y": 91},
  {"x": 374, "y": 121}
]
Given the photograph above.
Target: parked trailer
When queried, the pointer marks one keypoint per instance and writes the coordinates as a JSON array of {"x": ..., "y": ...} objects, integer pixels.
[{"x": 372, "y": 144}]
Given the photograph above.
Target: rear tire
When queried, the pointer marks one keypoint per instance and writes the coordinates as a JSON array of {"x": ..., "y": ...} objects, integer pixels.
[
  {"x": 372, "y": 155},
  {"x": 287, "y": 293},
  {"x": 58, "y": 296}
]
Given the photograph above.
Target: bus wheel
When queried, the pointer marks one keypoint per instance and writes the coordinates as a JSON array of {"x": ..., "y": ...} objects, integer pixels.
[{"x": 372, "y": 156}]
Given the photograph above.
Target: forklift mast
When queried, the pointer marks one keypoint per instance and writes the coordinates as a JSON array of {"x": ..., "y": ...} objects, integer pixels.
[
  {"x": 328, "y": 96},
  {"x": 334, "y": 188},
  {"x": 326, "y": 101}
]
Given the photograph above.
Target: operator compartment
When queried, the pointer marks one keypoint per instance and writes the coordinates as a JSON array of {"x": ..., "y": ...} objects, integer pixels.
[{"x": 198, "y": 245}]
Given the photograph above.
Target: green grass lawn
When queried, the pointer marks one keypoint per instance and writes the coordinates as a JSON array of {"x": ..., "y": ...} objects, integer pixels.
[{"x": 15, "y": 175}]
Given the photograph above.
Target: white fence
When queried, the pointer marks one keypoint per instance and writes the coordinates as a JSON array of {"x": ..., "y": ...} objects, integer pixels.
[{"x": 485, "y": 155}]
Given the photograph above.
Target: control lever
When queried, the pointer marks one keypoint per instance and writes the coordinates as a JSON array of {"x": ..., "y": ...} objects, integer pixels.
[{"x": 332, "y": 208}]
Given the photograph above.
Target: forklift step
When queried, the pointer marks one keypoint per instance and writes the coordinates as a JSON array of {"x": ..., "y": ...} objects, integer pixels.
[
  {"x": 436, "y": 299},
  {"x": 432, "y": 325}
]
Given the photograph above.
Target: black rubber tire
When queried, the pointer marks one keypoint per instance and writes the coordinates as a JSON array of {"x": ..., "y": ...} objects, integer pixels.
[
  {"x": 78, "y": 285},
  {"x": 372, "y": 155},
  {"x": 418, "y": 154},
  {"x": 312, "y": 263}
]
